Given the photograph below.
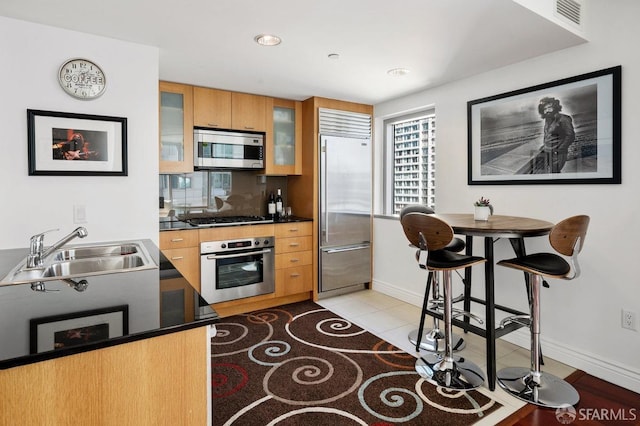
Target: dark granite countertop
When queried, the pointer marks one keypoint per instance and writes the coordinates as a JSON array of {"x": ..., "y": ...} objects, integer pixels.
[
  {"x": 113, "y": 309},
  {"x": 174, "y": 225}
]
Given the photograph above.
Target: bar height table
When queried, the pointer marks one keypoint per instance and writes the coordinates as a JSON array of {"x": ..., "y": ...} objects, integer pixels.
[{"x": 515, "y": 229}]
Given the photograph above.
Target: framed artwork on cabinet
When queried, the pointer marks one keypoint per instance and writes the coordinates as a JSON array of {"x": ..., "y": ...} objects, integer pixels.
[
  {"x": 62, "y": 143},
  {"x": 562, "y": 132}
]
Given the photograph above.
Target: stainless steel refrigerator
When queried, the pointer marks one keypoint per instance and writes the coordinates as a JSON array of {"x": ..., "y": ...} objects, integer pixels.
[{"x": 345, "y": 213}]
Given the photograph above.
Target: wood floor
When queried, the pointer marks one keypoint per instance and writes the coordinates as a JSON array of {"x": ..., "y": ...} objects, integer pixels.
[{"x": 601, "y": 403}]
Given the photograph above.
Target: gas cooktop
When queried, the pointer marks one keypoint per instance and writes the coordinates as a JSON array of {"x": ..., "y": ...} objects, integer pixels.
[{"x": 209, "y": 221}]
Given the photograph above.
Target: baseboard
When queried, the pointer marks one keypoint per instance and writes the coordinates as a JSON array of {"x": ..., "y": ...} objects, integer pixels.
[{"x": 621, "y": 375}]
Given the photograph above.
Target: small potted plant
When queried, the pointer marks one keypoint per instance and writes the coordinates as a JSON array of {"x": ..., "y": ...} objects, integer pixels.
[{"x": 483, "y": 209}]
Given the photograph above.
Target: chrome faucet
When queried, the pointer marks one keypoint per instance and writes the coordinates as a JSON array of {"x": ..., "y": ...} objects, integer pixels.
[{"x": 37, "y": 254}]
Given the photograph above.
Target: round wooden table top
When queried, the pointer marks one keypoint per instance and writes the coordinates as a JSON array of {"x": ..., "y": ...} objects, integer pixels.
[{"x": 496, "y": 226}]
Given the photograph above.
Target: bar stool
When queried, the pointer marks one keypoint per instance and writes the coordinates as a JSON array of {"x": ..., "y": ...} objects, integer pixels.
[
  {"x": 432, "y": 339},
  {"x": 531, "y": 384},
  {"x": 432, "y": 235}
]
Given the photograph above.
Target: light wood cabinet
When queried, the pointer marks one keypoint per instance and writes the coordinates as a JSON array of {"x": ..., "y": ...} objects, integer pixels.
[
  {"x": 248, "y": 112},
  {"x": 182, "y": 248},
  {"x": 176, "y": 128},
  {"x": 187, "y": 262},
  {"x": 211, "y": 108},
  {"x": 229, "y": 110},
  {"x": 283, "y": 143},
  {"x": 161, "y": 380},
  {"x": 294, "y": 258}
]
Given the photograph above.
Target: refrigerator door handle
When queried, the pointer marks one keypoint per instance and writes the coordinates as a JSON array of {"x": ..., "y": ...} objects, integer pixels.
[
  {"x": 323, "y": 148},
  {"x": 340, "y": 250}
]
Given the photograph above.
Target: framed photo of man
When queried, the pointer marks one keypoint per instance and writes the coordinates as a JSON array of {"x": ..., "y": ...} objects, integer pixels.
[
  {"x": 62, "y": 143},
  {"x": 562, "y": 132}
]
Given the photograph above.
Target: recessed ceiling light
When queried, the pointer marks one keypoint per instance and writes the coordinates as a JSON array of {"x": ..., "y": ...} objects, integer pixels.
[
  {"x": 398, "y": 72},
  {"x": 267, "y": 40}
]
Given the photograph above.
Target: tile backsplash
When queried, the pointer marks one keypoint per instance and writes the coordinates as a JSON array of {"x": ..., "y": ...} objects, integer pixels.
[{"x": 221, "y": 192}]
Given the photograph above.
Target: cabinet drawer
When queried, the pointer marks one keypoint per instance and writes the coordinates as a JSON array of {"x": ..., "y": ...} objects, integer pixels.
[
  {"x": 296, "y": 258},
  {"x": 288, "y": 245},
  {"x": 294, "y": 280},
  {"x": 187, "y": 262},
  {"x": 293, "y": 229},
  {"x": 178, "y": 239}
]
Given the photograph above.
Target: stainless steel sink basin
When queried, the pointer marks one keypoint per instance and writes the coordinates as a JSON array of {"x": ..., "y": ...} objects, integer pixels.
[
  {"x": 89, "y": 266},
  {"x": 95, "y": 251},
  {"x": 84, "y": 261}
]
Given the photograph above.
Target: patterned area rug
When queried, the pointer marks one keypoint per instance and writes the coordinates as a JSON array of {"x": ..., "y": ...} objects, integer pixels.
[{"x": 301, "y": 364}]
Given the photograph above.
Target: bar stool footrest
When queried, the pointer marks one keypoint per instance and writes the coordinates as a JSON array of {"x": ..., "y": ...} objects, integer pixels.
[{"x": 433, "y": 340}]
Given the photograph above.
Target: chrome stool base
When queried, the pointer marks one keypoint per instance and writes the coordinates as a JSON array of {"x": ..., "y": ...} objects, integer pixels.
[
  {"x": 433, "y": 341},
  {"x": 551, "y": 392},
  {"x": 455, "y": 374}
]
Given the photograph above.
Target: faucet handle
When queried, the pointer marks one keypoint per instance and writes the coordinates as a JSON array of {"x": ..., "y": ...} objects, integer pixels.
[{"x": 36, "y": 241}]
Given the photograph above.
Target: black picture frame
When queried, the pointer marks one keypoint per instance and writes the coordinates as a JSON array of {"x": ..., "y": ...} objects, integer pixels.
[
  {"x": 77, "y": 328},
  {"x": 506, "y": 133},
  {"x": 71, "y": 144}
]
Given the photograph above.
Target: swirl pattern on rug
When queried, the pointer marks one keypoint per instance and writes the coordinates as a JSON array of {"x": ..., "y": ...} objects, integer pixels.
[{"x": 301, "y": 364}]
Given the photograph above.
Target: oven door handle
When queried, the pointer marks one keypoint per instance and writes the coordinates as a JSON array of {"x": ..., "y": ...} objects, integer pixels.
[{"x": 229, "y": 256}]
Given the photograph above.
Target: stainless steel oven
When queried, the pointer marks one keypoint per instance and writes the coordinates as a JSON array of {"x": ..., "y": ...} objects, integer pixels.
[{"x": 235, "y": 269}]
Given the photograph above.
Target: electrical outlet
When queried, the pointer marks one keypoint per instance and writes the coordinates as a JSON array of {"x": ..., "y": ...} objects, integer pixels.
[
  {"x": 629, "y": 319},
  {"x": 79, "y": 214}
]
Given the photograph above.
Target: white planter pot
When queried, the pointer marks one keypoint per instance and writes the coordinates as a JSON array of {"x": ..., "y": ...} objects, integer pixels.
[{"x": 481, "y": 213}]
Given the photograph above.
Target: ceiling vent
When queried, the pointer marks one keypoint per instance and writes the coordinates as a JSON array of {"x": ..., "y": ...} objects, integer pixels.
[{"x": 570, "y": 10}]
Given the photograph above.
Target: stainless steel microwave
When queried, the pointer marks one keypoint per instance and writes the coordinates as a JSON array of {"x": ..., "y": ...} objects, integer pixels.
[{"x": 216, "y": 149}]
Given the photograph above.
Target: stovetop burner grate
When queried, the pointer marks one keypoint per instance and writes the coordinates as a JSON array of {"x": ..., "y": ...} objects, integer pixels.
[{"x": 225, "y": 220}]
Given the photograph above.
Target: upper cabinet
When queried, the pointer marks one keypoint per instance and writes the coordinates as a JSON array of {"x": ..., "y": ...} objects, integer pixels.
[
  {"x": 248, "y": 112},
  {"x": 182, "y": 107},
  {"x": 283, "y": 144},
  {"x": 176, "y": 128},
  {"x": 229, "y": 110},
  {"x": 211, "y": 108}
]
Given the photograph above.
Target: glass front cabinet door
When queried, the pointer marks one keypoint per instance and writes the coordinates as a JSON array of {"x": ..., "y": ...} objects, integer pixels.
[
  {"x": 284, "y": 138},
  {"x": 176, "y": 128}
]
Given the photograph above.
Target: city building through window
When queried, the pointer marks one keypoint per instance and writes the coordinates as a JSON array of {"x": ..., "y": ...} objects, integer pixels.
[{"x": 410, "y": 161}]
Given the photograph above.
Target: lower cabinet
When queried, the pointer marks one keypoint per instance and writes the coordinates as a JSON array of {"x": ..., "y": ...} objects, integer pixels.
[
  {"x": 294, "y": 258},
  {"x": 182, "y": 248},
  {"x": 163, "y": 380}
]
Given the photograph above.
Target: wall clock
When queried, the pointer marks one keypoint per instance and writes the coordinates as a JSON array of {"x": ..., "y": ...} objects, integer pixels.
[{"x": 82, "y": 78}]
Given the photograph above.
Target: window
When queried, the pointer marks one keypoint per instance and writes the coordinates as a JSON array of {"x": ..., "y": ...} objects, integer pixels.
[{"x": 409, "y": 161}]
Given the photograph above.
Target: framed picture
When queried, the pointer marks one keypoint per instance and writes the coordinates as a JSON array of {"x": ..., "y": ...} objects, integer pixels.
[
  {"x": 62, "y": 143},
  {"x": 563, "y": 132},
  {"x": 78, "y": 328}
]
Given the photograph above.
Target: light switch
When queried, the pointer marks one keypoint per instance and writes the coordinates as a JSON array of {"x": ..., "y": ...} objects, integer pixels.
[{"x": 79, "y": 214}]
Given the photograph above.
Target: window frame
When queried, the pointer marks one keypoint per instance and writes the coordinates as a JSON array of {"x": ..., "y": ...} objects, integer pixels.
[{"x": 388, "y": 156}]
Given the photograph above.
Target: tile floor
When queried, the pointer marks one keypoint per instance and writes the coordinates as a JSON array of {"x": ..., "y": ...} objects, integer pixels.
[{"x": 393, "y": 319}]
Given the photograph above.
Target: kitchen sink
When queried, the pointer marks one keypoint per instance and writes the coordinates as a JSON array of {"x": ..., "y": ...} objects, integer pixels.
[
  {"x": 95, "y": 251},
  {"x": 84, "y": 261},
  {"x": 82, "y": 267}
]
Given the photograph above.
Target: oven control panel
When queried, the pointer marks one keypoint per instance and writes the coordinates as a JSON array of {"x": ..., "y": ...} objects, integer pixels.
[{"x": 208, "y": 247}]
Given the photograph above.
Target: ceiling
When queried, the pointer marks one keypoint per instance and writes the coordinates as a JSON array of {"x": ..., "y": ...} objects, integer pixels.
[{"x": 211, "y": 42}]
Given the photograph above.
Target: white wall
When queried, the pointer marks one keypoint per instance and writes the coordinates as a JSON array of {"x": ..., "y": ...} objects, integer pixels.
[
  {"x": 117, "y": 207},
  {"x": 581, "y": 319}
]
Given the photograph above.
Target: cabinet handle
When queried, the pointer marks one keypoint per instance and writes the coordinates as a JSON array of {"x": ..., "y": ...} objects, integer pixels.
[
  {"x": 249, "y": 128},
  {"x": 213, "y": 124},
  {"x": 296, "y": 275},
  {"x": 294, "y": 244},
  {"x": 177, "y": 258},
  {"x": 294, "y": 229},
  {"x": 177, "y": 240},
  {"x": 294, "y": 260}
]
